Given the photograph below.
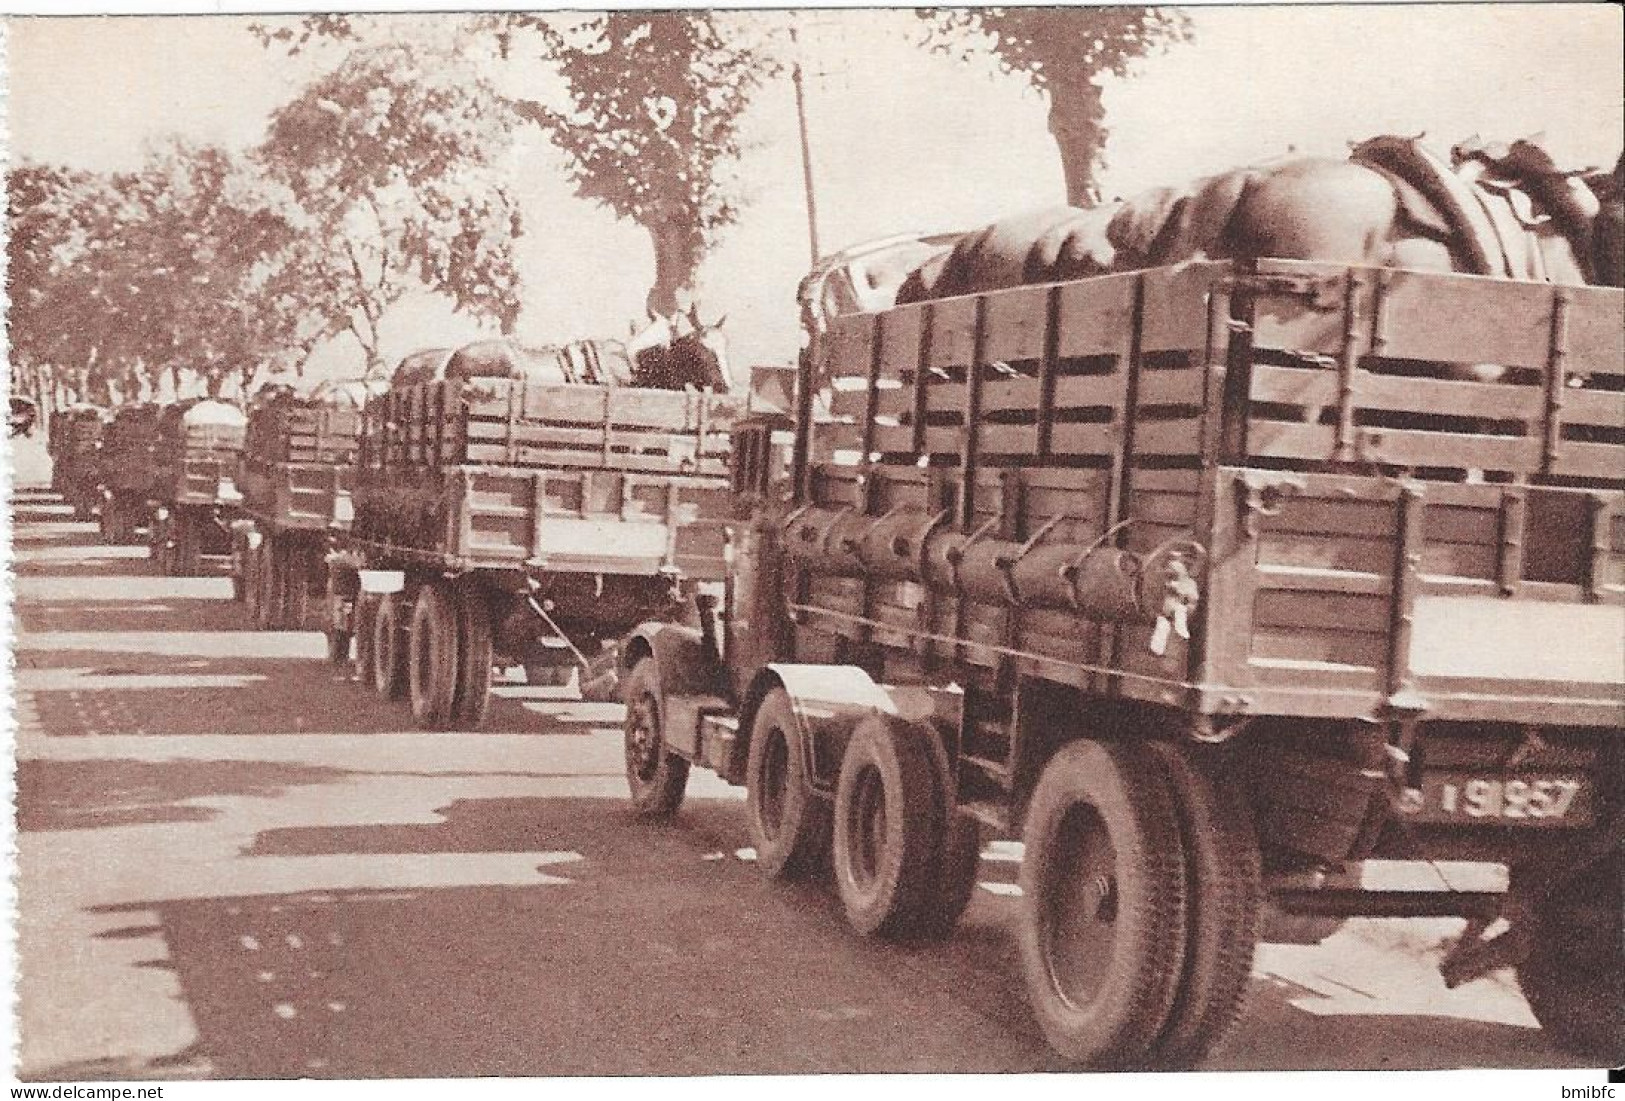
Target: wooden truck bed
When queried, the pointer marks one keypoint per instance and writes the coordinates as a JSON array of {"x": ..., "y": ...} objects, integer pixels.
[
  {"x": 568, "y": 520},
  {"x": 1382, "y": 535},
  {"x": 293, "y": 496}
]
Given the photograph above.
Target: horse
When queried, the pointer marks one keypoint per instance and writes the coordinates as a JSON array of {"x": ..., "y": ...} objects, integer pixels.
[
  {"x": 1491, "y": 210},
  {"x": 693, "y": 355}
]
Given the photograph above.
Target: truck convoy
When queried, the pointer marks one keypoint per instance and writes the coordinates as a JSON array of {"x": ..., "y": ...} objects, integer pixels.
[
  {"x": 74, "y": 437},
  {"x": 499, "y": 519},
  {"x": 1209, "y": 583}
]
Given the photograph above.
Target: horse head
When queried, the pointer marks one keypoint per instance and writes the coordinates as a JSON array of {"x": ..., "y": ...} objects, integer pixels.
[{"x": 680, "y": 352}]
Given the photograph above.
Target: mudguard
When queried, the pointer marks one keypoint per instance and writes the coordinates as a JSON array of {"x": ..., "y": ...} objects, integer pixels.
[
  {"x": 687, "y": 667},
  {"x": 828, "y": 701}
]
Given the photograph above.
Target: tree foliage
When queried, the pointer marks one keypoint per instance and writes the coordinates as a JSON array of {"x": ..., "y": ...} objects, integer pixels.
[
  {"x": 651, "y": 124},
  {"x": 1062, "y": 52},
  {"x": 391, "y": 165}
]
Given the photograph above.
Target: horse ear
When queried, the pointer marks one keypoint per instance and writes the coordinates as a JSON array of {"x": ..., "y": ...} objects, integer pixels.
[{"x": 694, "y": 315}]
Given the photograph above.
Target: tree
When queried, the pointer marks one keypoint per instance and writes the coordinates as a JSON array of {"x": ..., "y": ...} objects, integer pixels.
[
  {"x": 651, "y": 124},
  {"x": 390, "y": 165},
  {"x": 1063, "y": 52}
]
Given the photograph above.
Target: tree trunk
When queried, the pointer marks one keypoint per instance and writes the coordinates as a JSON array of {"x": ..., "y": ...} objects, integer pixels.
[
  {"x": 1076, "y": 120},
  {"x": 676, "y": 268}
]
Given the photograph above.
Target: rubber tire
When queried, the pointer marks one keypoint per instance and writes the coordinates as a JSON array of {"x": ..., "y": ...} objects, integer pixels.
[
  {"x": 388, "y": 649},
  {"x": 889, "y": 759},
  {"x": 954, "y": 883},
  {"x": 188, "y": 539},
  {"x": 1572, "y": 977},
  {"x": 659, "y": 793},
  {"x": 799, "y": 843},
  {"x": 474, "y": 656},
  {"x": 1125, "y": 790},
  {"x": 432, "y": 661},
  {"x": 1225, "y": 893},
  {"x": 363, "y": 617},
  {"x": 267, "y": 613}
]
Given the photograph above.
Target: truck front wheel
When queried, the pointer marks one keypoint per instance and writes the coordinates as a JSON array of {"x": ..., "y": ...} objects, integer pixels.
[
  {"x": 1102, "y": 929},
  {"x": 1572, "y": 977},
  {"x": 656, "y": 777},
  {"x": 789, "y": 825}
]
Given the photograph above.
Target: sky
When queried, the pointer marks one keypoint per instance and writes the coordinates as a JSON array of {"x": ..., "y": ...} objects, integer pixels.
[{"x": 901, "y": 139}]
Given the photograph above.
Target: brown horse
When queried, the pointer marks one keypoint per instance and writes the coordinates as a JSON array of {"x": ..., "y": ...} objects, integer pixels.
[{"x": 1505, "y": 212}]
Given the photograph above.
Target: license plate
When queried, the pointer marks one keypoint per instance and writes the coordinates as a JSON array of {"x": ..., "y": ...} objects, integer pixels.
[{"x": 1521, "y": 800}]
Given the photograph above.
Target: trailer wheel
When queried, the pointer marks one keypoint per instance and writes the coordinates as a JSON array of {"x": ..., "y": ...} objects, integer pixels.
[
  {"x": 388, "y": 651},
  {"x": 1102, "y": 928},
  {"x": 474, "y": 656},
  {"x": 433, "y": 661},
  {"x": 1572, "y": 977},
  {"x": 789, "y": 825},
  {"x": 656, "y": 777},
  {"x": 954, "y": 881},
  {"x": 1223, "y": 913},
  {"x": 888, "y": 827}
]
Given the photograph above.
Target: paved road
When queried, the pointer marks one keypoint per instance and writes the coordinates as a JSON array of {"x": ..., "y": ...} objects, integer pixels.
[{"x": 235, "y": 863}]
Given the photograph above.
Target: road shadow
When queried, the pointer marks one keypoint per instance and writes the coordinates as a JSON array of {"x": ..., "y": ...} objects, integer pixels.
[
  {"x": 80, "y": 795},
  {"x": 95, "y": 693},
  {"x": 658, "y": 952}
]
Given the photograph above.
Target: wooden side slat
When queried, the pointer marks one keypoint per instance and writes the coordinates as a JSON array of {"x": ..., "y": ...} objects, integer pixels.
[
  {"x": 900, "y": 342},
  {"x": 1596, "y": 339},
  {"x": 1083, "y": 439},
  {"x": 1003, "y": 394},
  {"x": 1096, "y": 316},
  {"x": 1329, "y": 611},
  {"x": 953, "y": 333},
  {"x": 1171, "y": 387},
  {"x": 1588, "y": 460},
  {"x": 1015, "y": 324},
  {"x": 1087, "y": 391},
  {"x": 1602, "y": 407},
  {"x": 1177, "y": 437},
  {"x": 1460, "y": 319},
  {"x": 1009, "y": 439}
]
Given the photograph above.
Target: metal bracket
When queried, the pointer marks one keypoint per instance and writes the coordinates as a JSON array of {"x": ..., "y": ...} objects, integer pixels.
[{"x": 1263, "y": 494}]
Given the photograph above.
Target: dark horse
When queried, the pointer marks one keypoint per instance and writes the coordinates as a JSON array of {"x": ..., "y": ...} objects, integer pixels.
[
  {"x": 1497, "y": 211},
  {"x": 664, "y": 355}
]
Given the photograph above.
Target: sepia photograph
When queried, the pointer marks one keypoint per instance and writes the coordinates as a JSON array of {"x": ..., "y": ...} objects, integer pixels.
[{"x": 694, "y": 543}]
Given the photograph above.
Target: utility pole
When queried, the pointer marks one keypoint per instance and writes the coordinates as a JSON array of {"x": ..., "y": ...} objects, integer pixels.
[{"x": 806, "y": 149}]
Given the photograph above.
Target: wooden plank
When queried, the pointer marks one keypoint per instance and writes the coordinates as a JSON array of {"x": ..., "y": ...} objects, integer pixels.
[
  {"x": 1350, "y": 648},
  {"x": 1596, "y": 336},
  {"x": 1462, "y": 319},
  {"x": 1322, "y": 611},
  {"x": 953, "y": 333},
  {"x": 1588, "y": 460},
  {"x": 1471, "y": 524},
  {"x": 943, "y": 396},
  {"x": 1096, "y": 316},
  {"x": 1603, "y": 407},
  {"x": 1008, "y": 439},
  {"x": 1447, "y": 396},
  {"x": 1407, "y": 447},
  {"x": 1330, "y": 516},
  {"x": 1083, "y": 439},
  {"x": 1478, "y": 561},
  {"x": 1015, "y": 324},
  {"x": 900, "y": 341},
  {"x": 1335, "y": 552},
  {"x": 1282, "y": 440},
  {"x": 1175, "y": 437},
  {"x": 1172, "y": 387},
  {"x": 1088, "y": 391},
  {"x": 1003, "y": 394}
]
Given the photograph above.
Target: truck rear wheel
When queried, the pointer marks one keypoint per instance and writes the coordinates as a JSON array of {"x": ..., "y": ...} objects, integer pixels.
[
  {"x": 1224, "y": 900},
  {"x": 188, "y": 548},
  {"x": 1102, "y": 928},
  {"x": 789, "y": 825},
  {"x": 889, "y": 819},
  {"x": 473, "y": 656},
  {"x": 953, "y": 882},
  {"x": 1572, "y": 977},
  {"x": 432, "y": 663},
  {"x": 656, "y": 777},
  {"x": 388, "y": 651}
]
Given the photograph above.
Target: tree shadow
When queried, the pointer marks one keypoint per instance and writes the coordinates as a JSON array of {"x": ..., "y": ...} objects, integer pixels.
[{"x": 79, "y": 795}]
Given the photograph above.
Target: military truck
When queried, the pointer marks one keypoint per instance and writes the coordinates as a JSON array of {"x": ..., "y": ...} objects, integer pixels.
[
  {"x": 128, "y": 472},
  {"x": 73, "y": 442},
  {"x": 298, "y": 457},
  {"x": 1215, "y": 585},
  {"x": 195, "y": 498},
  {"x": 500, "y": 520}
]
